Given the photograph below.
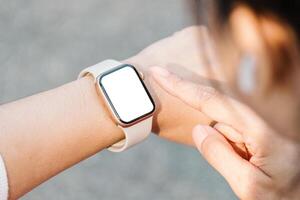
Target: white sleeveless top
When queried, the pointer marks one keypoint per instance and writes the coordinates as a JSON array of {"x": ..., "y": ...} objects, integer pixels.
[{"x": 3, "y": 181}]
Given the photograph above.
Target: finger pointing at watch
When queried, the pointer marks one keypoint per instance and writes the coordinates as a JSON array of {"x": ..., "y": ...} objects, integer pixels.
[
  {"x": 222, "y": 145},
  {"x": 201, "y": 97},
  {"x": 217, "y": 106}
]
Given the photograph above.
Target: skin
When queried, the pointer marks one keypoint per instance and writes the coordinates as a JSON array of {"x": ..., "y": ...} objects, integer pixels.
[
  {"x": 253, "y": 146},
  {"x": 257, "y": 162},
  {"x": 40, "y": 134},
  {"x": 265, "y": 37}
]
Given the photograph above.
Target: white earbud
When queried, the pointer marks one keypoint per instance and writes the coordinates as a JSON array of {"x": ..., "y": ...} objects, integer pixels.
[{"x": 247, "y": 74}]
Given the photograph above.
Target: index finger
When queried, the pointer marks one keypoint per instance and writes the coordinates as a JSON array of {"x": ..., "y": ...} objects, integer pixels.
[{"x": 206, "y": 99}]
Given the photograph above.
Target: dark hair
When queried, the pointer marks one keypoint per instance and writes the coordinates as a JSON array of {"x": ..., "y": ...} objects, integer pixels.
[{"x": 286, "y": 10}]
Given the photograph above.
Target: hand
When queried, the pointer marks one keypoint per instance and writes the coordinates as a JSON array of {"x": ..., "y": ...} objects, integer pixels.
[
  {"x": 189, "y": 50},
  {"x": 185, "y": 52},
  {"x": 257, "y": 162}
]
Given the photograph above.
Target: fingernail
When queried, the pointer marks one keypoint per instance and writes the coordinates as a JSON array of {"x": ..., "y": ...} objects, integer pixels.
[
  {"x": 219, "y": 125},
  {"x": 160, "y": 71},
  {"x": 200, "y": 133}
]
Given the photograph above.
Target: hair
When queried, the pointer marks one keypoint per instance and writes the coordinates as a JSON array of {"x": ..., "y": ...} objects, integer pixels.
[
  {"x": 278, "y": 71},
  {"x": 284, "y": 55},
  {"x": 286, "y": 10}
]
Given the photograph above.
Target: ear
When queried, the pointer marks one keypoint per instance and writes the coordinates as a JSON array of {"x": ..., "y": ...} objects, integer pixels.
[
  {"x": 274, "y": 44},
  {"x": 248, "y": 37},
  {"x": 270, "y": 40},
  {"x": 244, "y": 26},
  {"x": 281, "y": 42}
]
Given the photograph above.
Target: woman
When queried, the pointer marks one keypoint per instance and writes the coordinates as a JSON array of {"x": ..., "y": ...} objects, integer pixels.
[
  {"x": 255, "y": 145},
  {"x": 49, "y": 127}
]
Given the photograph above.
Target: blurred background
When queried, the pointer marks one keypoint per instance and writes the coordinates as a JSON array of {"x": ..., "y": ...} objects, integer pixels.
[{"x": 44, "y": 44}]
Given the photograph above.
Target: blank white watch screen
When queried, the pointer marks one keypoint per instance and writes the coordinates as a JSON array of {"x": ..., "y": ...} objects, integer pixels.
[{"x": 127, "y": 94}]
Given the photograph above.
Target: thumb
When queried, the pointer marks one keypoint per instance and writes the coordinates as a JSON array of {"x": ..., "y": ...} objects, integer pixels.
[{"x": 220, "y": 154}]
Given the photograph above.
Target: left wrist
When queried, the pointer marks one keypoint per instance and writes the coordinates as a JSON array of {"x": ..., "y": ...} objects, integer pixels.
[
  {"x": 127, "y": 99},
  {"x": 173, "y": 124},
  {"x": 99, "y": 115},
  {"x": 141, "y": 65}
]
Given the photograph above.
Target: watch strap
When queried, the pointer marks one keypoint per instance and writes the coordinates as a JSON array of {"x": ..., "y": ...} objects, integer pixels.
[
  {"x": 133, "y": 134},
  {"x": 99, "y": 68}
]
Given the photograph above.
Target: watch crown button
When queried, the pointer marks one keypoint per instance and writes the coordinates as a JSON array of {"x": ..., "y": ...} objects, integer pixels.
[{"x": 142, "y": 75}]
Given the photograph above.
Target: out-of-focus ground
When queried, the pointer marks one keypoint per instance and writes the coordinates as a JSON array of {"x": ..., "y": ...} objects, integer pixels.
[{"x": 44, "y": 44}]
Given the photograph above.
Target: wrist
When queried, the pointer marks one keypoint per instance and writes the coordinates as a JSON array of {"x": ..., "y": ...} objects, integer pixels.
[
  {"x": 99, "y": 115},
  {"x": 64, "y": 125},
  {"x": 173, "y": 124}
]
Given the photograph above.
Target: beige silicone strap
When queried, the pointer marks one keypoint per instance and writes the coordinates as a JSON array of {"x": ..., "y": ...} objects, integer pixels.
[
  {"x": 133, "y": 134},
  {"x": 99, "y": 68}
]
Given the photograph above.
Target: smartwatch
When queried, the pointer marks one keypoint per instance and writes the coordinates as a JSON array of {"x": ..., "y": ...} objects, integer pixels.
[{"x": 125, "y": 94}]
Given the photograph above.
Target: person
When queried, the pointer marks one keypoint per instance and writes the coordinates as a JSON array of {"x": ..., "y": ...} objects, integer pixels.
[
  {"x": 47, "y": 133},
  {"x": 254, "y": 71},
  {"x": 256, "y": 151}
]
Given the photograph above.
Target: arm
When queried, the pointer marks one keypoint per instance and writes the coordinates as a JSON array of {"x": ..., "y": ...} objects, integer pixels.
[
  {"x": 49, "y": 132},
  {"x": 256, "y": 161},
  {"x": 45, "y": 134}
]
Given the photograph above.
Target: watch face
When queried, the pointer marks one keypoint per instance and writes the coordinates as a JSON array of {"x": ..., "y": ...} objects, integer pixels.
[{"x": 126, "y": 93}]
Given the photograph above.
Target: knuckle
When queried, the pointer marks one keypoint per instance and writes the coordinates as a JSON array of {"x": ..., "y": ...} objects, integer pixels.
[
  {"x": 205, "y": 94},
  {"x": 176, "y": 82}
]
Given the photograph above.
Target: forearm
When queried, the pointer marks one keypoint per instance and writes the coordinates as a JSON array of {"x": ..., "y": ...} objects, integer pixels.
[{"x": 49, "y": 132}]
